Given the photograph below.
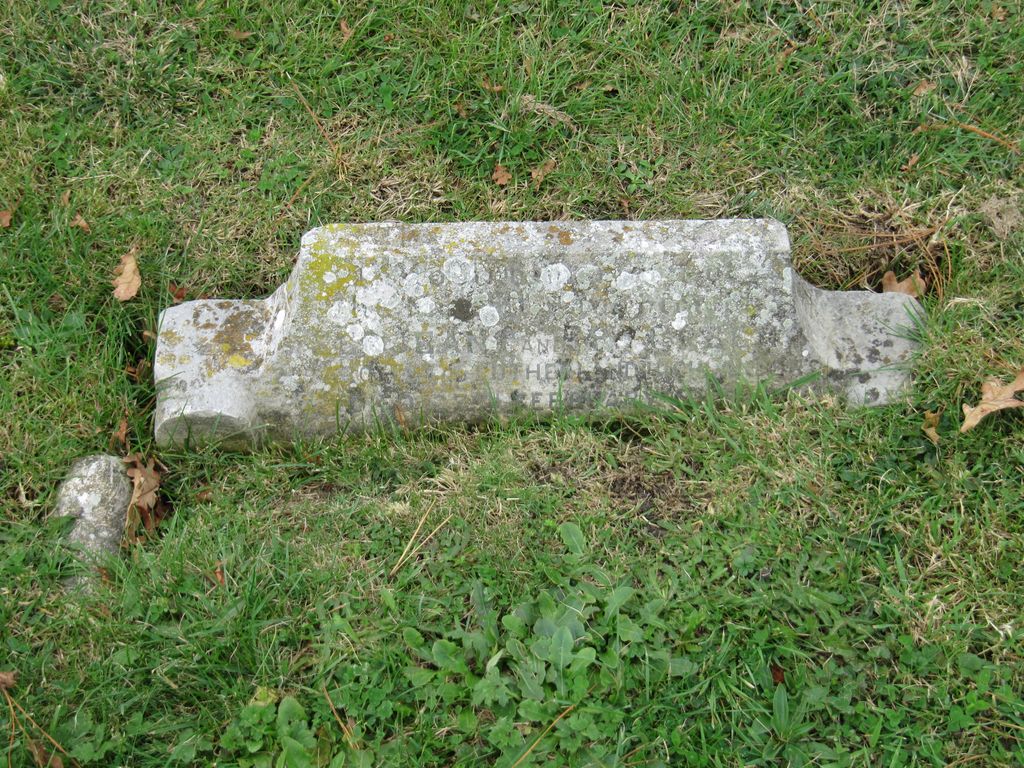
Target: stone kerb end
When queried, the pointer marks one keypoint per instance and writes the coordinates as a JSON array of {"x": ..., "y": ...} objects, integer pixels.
[{"x": 209, "y": 355}]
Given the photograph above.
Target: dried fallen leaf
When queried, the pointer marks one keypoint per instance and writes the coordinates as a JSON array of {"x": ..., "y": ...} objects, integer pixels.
[
  {"x": 784, "y": 54},
  {"x": 492, "y": 87},
  {"x": 81, "y": 223},
  {"x": 7, "y": 680},
  {"x": 127, "y": 279},
  {"x": 910, "y": 163},
  {"x": 930, "y": 426},
  {"x": 146, "y": 506},
  {"x": 539, "y": 107},
  {"x": 501, "y": 176},
  {"x": 239, "y": 35},
  {"x": 5, "y": 219},
  {"x": 65, "y": 198},
  {"x": 177, "y": 292},
  {"x": 912, "y": 286},
  {"x": 346, "y": 31},
  {"x": 42, "y": 758},
  {"x": 999, "y": 13},
  {"x": 139, "y": 371},
  {"x": 541, "y": 171},
  {"x": 923, "y": 88},
  {"x": 460, "y": 109},
  {"x": 218, "y": 573},
  {"x": 995, "y": 396},
  {"x": 778, "y": 674},
  {"x": 120, "y": 435},
  {"x": 1002, "y": 215},
  {"x": 145, "y": 481}
]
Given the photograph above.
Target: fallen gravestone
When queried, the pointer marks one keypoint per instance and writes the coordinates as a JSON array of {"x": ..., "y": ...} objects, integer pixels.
[
  {"x": 415, "y": 322},
  {"x": 96, "y": 493}
]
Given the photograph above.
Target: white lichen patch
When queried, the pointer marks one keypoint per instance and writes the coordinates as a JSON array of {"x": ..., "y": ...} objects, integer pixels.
[
  {"x": 458, "y": 270},
  {"x": 628, "y": 280},
  {"x": 553, "y": 277},
  {"x": 488, "y": 316},
  {"x": 414, "y": 285},
  {"x": 373, "y": 345},
  {"x": 380, "y": 293},
  {"x": 340, "y": 312}
]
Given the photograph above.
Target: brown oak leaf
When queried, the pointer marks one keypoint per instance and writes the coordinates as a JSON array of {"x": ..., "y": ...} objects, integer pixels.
[
  {"x": 5, "y": 219},
  {"x": 492, "y": 87},
  {"x": 912, "y": 286},
  {"x": 146, "y": 507},
  {"x": 81, "y": 223},
  {"x": 42, "y": 757},
  {"x": 541, "y": 171},
  {"x": 995, "y": 396},
  {"x": 145, "y": 481},
  {"x": 120, "y": 435},
  {"x": 501, "y": 176},
  {"x": 7, "y": 680},
  {"x": 924, "y": 87},
  {"x": 239, "y": 35},
  {"x": 127, "y": 279},
  {"x": 346, "y": 31},
  {"x": 911, "y": 162}
]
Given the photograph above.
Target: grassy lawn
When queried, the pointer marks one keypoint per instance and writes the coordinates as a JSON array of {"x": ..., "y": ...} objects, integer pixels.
[{"x": 752, "y": 579}]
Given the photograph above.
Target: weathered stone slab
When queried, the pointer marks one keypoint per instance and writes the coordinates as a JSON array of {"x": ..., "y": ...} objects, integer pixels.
[{"x": 415, "y": 322}]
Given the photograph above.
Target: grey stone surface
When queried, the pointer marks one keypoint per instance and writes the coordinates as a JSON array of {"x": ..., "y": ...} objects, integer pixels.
[
  {"x": 423, "y": 322},
  {"x": 96, "y": 492}
]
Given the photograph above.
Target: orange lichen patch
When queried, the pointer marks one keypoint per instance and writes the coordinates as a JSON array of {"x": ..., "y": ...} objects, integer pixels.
[
  {"x": 170, "y": 336},
  {"x": 563, "y": 235},
  {"x": 233, "y": 341}
]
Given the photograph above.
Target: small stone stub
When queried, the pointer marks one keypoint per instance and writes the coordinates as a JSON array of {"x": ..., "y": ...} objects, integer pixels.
[
  {"x": 96, "y": 493},
  {"x": 457, "y": 322}
]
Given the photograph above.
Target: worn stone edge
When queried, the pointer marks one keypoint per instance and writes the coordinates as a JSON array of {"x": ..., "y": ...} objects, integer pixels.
[{"x": 864, "y": 341}]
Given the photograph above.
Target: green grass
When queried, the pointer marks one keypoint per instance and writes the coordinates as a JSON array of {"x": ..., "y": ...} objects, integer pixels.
[{"x": 810, "y": 584}]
